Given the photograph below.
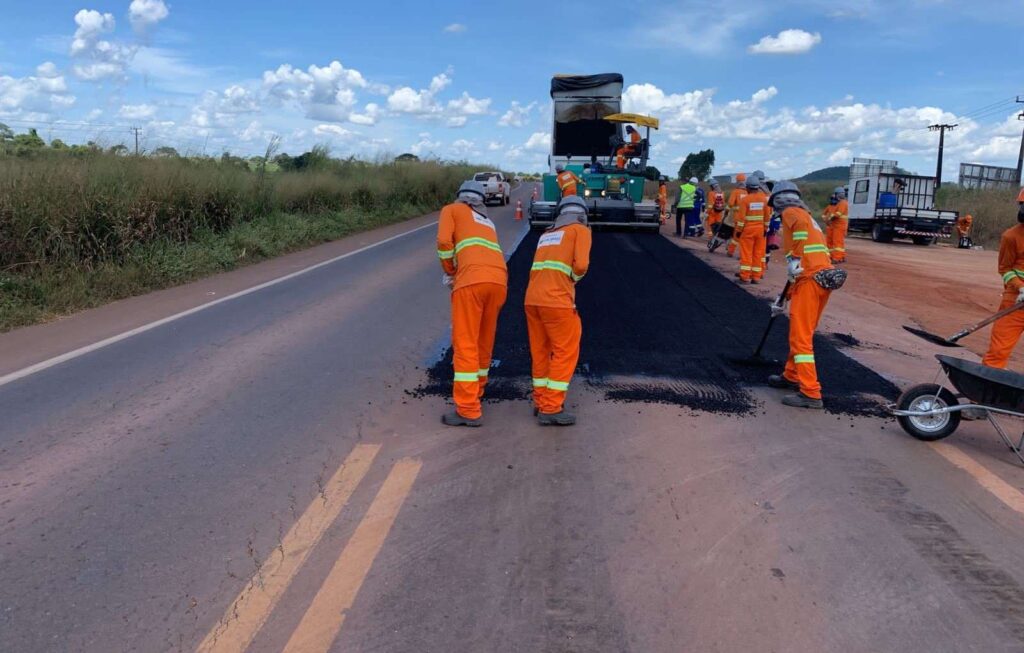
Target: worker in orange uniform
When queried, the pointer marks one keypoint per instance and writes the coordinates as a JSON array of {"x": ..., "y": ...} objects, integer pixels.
[
  {"x": 662, "y": 199},
  {"x": 567, "y": 181},
  {"x": 1007, "y": 330},
  {"x": 837, "y": 226},
  {"x": 812, "y": 279},
  {"x": 715, "y": 207},
  {"x": 963, "y": 229},
  {"x": 562, "y": 258},
  {"x": 474, "y": 269},
  {"x": 751, "y": 219},
  {"x": 733, "y": 208},
  {"x": 629, "y": 149}
]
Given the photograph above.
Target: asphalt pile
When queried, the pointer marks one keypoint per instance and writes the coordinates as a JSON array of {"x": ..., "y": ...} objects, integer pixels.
[{"x": 661, "y": 326}]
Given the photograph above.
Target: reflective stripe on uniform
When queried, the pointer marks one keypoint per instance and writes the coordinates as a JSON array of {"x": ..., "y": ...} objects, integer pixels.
[
  {"x": 474, "y": 242},
  {"x": 540, "y": 383},
  {"x": 755, "y": 218},
  {"x": 445, "y": 254},
  {"x": 558, "y": 386},
  {"x": 746, "y": 267},
  {"x": 466, "y": 377},
  {"x": 816, "y": 249},
  {"x": 1013, "y": 274},
  {"x": 838, "y": 249},
  {"x": 483, "y": 373},
  {"x": 803, "y": 358},
  {"x": 555, "y": 266},
  {"x": 799, "y": 235}
]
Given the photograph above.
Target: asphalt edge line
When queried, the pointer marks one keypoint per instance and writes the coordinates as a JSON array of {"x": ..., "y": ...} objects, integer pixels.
[
  {"x": 249, "y": 611},
  {"x": 325, "y": 616},
  {"x": 88, "y": 349}
]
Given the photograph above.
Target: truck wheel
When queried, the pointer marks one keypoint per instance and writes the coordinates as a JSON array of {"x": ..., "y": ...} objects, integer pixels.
[
  {"x": 881, "y": 234},
  {"x": 923, "y": 398},
  {"x": 924, "y": 240}
]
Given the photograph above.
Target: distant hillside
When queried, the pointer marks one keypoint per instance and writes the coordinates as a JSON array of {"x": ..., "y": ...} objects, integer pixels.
[{"x": 835, "y": 173}]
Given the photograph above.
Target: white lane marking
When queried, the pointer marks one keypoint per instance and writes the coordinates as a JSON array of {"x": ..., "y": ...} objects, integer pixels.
[{"x": 88, "y": 349}]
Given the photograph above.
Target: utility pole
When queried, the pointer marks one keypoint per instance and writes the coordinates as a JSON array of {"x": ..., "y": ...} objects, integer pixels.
[
  {"x": 1020, "y": 157},
  {"x": 942, "y": 129},
  {"x": 136, "y": 130}
]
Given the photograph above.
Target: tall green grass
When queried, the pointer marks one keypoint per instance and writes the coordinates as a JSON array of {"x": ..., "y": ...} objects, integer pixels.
[
  {"x": 994, "y": 211},
  {"x": 77, "y": 232}
]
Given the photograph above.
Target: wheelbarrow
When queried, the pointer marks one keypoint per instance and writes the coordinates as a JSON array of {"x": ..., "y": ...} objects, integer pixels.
[
  {"x": 931, "y": 411},
  {"x": 722, "y": 233}
]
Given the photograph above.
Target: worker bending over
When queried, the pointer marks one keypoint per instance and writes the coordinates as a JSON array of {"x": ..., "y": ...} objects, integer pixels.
[
  {"x": 963, "y": 228},
  {"x": 1006, "y": 331},
  {"x": 474, "y": 269},
  {"x": 837, "y": 224},
  {"x": 733, "y": 209},
  {"x": 811, "y": 281},
  {"x": 627, "y": 150},
  {"x": 562, "y": 258},
  {"x": 750, "y": 225},
  {"x": 567, "y": 181},
  {"x": 715, "y": 207}
]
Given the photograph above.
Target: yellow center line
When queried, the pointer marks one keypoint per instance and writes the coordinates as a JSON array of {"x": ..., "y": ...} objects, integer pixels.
[
  {"x": 249, "y": 611},
  {"x": 1002, "y": 490},
  {"x": 323, "y": 620}
]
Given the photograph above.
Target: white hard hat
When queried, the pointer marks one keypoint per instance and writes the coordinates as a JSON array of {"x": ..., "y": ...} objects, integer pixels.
[{"x": 693, "y": 180}]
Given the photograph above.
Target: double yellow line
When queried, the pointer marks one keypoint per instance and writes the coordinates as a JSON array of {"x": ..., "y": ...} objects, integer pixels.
[{"x": 322, "y": 621}]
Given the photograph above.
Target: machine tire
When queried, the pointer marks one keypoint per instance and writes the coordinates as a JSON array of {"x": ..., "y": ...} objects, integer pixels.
[
  {"x": 924, "y": 241},
  {"x": 921, "y": 397},
  {"x": 881, "y": 234}
]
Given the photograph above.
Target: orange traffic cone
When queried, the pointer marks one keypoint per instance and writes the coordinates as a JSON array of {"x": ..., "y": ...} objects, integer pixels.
[{"x": 519, "y": 209}]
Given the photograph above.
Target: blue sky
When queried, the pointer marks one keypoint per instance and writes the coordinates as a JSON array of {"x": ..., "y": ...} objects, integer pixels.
[{"x": 787, "y": 86}]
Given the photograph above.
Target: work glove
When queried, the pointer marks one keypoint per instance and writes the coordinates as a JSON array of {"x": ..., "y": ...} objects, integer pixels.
[
  {"x": 778, "y": 308},
  {"x": 448, "y": 281},
  {"x": 793, "y": 268},
  {"x": 1020, "y": 295}
]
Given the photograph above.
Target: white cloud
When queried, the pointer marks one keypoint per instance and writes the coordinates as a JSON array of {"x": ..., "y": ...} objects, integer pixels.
[
  {"x": 327, "y": 93},
  {"x": 841, "y": 156},
  {"x": 137, "y": 111},
  {"x": 143, "y": 14},
  {"x": 335, "y": 131},
  {"x": 223, "y": 109},
  {"x": 424, "y": 103},
  {"x": 41, "y": 94},
  {"x": 98, "y": 58},
  {"x": 517, "y": 115},
  {"x": 455, "y": 28},
  {"x": 494, "y": 146},
  {"x": 371, "y": 113},
  {"x": 700, "y": 28},
  {"x": 426, "y": 145},
  {"x": 538, "y": 142},
  {"x": 788, "y": 41}
]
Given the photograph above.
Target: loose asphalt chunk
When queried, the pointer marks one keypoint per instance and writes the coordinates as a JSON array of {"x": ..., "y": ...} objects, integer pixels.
[{"x": 662, "y": 326}]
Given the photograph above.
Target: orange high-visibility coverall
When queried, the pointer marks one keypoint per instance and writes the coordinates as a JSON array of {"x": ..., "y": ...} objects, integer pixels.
[
  {"x": 714, "y": 216},
  {"x": 467, "y": 244},
  {"x": 562, "y": 258},
  {"x": 567, "y": 182},
  {"x": 963, "y": 225},
  {"x": 1007, "y": 330},
  {"x": 662, "y": 202},
  {"x": 750, "y": 223},
  {"x": 802, "y": 238},
  {"x": 629, "y": 149},
  {"x": 735, "y": 197},
  {"x": 838, "y": 223}
]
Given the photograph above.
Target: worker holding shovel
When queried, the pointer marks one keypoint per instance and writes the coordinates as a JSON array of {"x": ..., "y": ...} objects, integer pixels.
[
  {"x": 1007, "y": 330},
  {"x": 812, "y": 278}
]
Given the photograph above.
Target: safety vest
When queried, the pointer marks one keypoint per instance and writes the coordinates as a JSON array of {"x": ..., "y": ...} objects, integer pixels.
[{"x": 687, "y": 193}]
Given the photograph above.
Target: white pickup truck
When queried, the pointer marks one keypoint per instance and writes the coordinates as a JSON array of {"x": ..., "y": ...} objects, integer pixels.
[{"x": 496, "y": 187}]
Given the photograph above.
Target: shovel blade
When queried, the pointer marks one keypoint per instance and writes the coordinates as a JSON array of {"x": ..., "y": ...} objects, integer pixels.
[{"x": 931, "y": 337}]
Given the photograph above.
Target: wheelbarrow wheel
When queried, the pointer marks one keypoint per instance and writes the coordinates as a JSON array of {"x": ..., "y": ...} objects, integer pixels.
[{"x": 927, "y": 397}]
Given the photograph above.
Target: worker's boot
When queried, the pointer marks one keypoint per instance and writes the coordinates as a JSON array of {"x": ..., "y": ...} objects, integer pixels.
[
  {"x": 800, "y": 400},
  {"x": 454, "y": 419},
  {"x": 782, "y": 383},
  {"x": 561, "y": 418}
]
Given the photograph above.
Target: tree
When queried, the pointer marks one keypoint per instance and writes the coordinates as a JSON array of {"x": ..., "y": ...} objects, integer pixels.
[
  {"x": 29, "y": 141},
  {"x": 697, "y": 165},
  {"x": 6, "y": 133},
  {"x": 652, "y": 174},
  {"x": 57, "y": 144},
  {"x": 166, "y": 152},
  {"x": 406, "y": 158},
  {"x": 119, "y": 150}
]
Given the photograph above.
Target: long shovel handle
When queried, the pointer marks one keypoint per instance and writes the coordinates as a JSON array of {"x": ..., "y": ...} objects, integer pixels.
[
  {"x": 764, "y": 338},
  {"x": 987, "y": 321}
]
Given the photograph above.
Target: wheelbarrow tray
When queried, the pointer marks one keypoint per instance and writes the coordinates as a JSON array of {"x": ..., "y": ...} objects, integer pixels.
[
  {"x": 723, "y": 231},
  {"x": 984, "y": 385}
]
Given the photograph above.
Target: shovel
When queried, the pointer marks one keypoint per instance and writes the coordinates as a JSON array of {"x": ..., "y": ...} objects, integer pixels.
[
  {"x": 757, "y": 359},
  {"x": 952, "y": 340}
]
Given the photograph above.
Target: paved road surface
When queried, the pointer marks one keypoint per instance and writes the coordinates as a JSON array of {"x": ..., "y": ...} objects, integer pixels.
[{"x": 255, "y": 475}]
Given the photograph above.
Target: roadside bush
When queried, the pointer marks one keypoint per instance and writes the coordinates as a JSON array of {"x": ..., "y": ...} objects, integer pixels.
[{"x": 994, "y": 211}]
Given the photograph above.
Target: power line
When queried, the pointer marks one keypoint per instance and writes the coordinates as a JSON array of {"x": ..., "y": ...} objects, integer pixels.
[{"x": 942, "y": 129}]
